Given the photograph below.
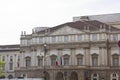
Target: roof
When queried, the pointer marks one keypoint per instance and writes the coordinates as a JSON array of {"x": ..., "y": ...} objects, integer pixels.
[
  {"x": 93, "y": 25},
  {"x": 10, "y": 46},
  {"x": 106, "y": 18},
  {"x": 15, "y": 47}
]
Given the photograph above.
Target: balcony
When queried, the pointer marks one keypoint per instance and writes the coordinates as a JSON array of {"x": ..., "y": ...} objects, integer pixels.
[{"x": 52, "y": 67}]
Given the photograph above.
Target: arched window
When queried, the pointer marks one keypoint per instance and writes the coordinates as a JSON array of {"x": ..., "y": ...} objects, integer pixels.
[
  {"x": 115, "y": 60},
  {"x": 53, "y": 60},
  {"x": 114, "y": 76},
  {"x": 28, "y": 61},
  {"x": 94, "y": 60},
  {"x": 95, "y": 76},
  {"x": 66, "y": 60},
  {"x": 79, "y": 59}
]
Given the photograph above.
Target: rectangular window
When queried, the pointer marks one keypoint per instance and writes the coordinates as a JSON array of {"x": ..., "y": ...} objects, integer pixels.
[
  {"x": 116, "y": 62},
  {"x": 66, "y": 61},
  {"x": 79, "y": 61},
  {"x": 94, "y": 37},
  {"x": 79, "y": 37},
  {"x": 41, "y": 39},
  {"x": 40, "y": 62},
  {"x": 115, "y": 37},
  {"x": 94, "y": 61},
  {"x": 18, "y": 58},
  {"x": 53, "y": 39},
  {"x": 11, "y": 66},
  {"x": 11, "y": 58},
  {"x": 3, "y": 58},
  {"x": 66, "y": 38},
  {"x": 53, "y": 60},
  {"x": 28, "y": 62}
]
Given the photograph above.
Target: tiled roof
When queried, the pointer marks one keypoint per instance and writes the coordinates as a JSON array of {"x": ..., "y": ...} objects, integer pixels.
[{"x": 93, "y": 26}]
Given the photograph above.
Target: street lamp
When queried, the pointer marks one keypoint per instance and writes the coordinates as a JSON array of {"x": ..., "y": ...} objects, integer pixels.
[{"x": 45, "y": 51}]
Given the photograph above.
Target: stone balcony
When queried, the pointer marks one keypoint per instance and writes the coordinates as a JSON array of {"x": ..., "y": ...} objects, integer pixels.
[
  {"x": 51, "y": 67},
  {"x": 67, "y": 67}
]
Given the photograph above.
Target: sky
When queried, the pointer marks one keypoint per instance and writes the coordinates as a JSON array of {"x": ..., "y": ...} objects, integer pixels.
[{"x": 24, "y": 15}]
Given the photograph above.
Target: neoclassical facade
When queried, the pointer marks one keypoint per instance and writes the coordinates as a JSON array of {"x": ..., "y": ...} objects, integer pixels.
[
  {"x": 11, "y": 56},
  {"x": 84, "y": 50}
]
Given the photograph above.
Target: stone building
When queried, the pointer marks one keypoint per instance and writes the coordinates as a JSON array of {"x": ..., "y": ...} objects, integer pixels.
[
  {"x": 112, "y": 19},
  {"x": 10, "y": 54},
  {"x": 83, "y": 50}
]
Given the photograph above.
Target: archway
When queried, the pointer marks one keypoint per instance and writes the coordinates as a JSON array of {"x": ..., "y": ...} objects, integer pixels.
[
  {"x": 74, "y": 76},
  {"x": 59, "y": 76},
  {"x": 10, "y": 76},
  {"x": 47, "y": 76}
]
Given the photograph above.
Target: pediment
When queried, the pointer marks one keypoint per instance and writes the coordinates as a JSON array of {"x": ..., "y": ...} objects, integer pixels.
[{"x": 66, "y": 30}]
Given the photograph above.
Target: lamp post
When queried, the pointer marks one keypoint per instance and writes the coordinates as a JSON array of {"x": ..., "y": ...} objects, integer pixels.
[{"x": 45, "y": 50}]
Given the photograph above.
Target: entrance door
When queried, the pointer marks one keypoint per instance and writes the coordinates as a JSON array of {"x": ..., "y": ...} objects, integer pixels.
[
  {"x": 94, "y": 79},
  {"x": 59, "y": 76},
  {"x": 74, "y": 76}
]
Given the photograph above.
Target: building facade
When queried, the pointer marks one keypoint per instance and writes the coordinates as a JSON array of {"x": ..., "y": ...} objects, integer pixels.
[
  {"x": 11, "y": 55},
  {"x": 80, "y": 50},
  {"x": 112, "y": 19}
]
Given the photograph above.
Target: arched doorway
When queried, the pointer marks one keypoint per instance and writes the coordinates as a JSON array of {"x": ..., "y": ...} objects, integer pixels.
[
  {"x": 74, "y": 76},
  {"x": 59, "y": 76},
  {"x": 10, "y": 76},
  {"x": 47, "y": 76}
]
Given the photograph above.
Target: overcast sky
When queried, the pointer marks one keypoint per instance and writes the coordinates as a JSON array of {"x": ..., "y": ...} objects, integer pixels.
[{"x": 24, "y": 15}]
